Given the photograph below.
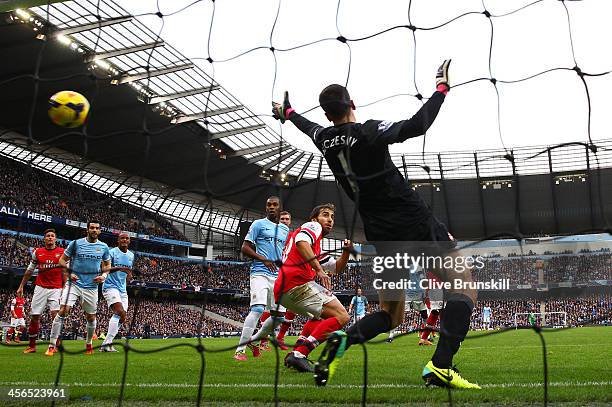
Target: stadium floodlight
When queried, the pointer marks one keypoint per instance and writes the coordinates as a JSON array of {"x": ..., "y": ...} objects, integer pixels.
[
  {"x": 63, "y": 39},
  {"x": 24, "y": 15}
]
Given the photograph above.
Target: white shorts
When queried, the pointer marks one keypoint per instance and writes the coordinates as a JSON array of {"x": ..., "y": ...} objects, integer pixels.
[
  {"x": 416, "y": 306},
  {"x": 436, "y": 305},
  {"x": 262, "y": 292},
  {"x": 44, "y": 297},
  {"x": 358, "y": 317},
  {"x": 486, "y": 320},
  {"x": 307, "y": 299},
  {"x": 89, "y": 297},
  {"x": 113, "y": 296},
  {"x": 15, "y": 322}
]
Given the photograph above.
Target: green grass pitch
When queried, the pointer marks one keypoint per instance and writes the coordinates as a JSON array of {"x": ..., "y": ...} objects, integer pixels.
[{"x": 509, "y": 366}]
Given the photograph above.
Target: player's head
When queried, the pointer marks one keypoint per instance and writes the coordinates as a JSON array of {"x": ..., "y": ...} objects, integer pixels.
[
  {"x": 123, "y": 241},
  {"x": 324, "y": 215},
  {"x": 273, "y": 208},
  {"x": 49, "y": 238},
  {"x": 93, "y": 229},
  {"x": 336, "y": 102},
  {"x": 285, "y": 218},
  {"x": 359, "y": 292}
]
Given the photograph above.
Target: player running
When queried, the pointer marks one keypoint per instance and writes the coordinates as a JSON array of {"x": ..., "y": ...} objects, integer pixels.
[
  {"x": 49, "y": 283},
  {"x": 296, "y": 289},
  {"x": 17, "y": 319},
  {"x": 264, "y": 244},
  {"x": 285, "y": 219},
  {"x": 114, "y": 288},
  {"x": 358, "y": 156},
  {"x": 360, "y": 304},
  {"x": 88, "y": 257}
]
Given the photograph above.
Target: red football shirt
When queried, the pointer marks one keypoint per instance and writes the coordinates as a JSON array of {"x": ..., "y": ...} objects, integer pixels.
[
  {"x": 45, "y": 260},
  {"x": 295, "y": 270},
  {"x": 17, "y": 306}
]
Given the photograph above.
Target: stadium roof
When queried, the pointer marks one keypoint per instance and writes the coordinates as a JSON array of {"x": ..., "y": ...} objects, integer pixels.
[{"x": 158, "y": 116}]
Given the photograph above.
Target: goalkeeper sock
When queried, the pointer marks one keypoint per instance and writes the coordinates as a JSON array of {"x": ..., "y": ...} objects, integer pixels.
[
  {"x": 113, "y": 328},
  {"x": 91, "y": 328},
  {"x": 56, "y": 330},
  {"x": 453, "y": 328},
  {"x": 369, "y": 327}
]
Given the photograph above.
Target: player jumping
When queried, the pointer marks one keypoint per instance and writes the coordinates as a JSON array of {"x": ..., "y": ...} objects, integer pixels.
[
  {"x": 358, "y": 156},
  {"x": 114, "y": 288},
  {"x": 88, "y": 257},
  {"x": 264, "y": 244},
  {"x": 49, "y": 283}
]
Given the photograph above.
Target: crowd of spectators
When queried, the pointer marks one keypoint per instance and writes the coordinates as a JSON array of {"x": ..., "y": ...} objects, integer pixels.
[{"x": 33, "y": 190}]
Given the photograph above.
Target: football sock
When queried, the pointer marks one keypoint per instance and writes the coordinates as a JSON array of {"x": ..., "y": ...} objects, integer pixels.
[
  {"x": 266, "y": 329},
  {"x": 309, "y": 327},
  {"x": 431, "y": 321},
  {"x": 33, "y": 333},
  {"x": 319, "y": 334},
  {"x": 453, "y": 328},
  {"x": 369, "y": 327},
  {"x": 91, "y": 327},
  {"x": 56, "y": 329},
  {"x": 250, "y": 323},
  {"x": 113, "y": 328},
  {"x": 285, "y": 324}
]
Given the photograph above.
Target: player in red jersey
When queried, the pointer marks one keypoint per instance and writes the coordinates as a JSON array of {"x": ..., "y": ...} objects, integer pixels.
[
  {"x": 17, "y": 319},
  {"x": 49, "y": 283},
  {"x": 296, "y": 289}
]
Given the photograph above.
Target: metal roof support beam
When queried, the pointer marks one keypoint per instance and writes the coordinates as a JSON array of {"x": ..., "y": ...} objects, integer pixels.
[
  {"x": 177, "y": 95},
  {"x": 481, "y": 196},
  {"x": 268, "y": 154},
  {"x": 222, "y": 134},
  {"x": 279, "y": 161},
  {"x": 93, "y": 26},
  {"x": 253, "y": 150},
  {"x": 127, "y": 50},
  {"x": 204, "y": 115},
  {"x": 292, "y": 163},
  {"x": 144, "y": 75},
  {"x": 305, "y": 167}
]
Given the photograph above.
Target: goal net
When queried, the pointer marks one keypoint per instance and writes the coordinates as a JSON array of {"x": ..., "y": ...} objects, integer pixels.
[{"x": 553, "y": 319}]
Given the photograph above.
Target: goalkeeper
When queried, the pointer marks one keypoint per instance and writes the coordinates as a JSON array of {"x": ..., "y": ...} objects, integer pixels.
[{"x": 390, "y": 211}]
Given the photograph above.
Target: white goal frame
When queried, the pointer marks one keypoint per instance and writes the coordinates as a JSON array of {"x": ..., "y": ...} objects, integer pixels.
[{"x": 543, "y": 316}]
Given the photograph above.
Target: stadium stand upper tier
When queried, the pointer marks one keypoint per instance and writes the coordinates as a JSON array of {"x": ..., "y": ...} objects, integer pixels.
[{"x": 26, "y": 188}]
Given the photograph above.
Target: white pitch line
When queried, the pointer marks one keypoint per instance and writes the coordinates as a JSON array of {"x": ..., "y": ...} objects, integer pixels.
[{"x": 304, "y": 386}]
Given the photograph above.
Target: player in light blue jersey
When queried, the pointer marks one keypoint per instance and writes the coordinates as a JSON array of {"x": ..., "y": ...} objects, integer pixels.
[
  {"x": 88, "y": 258},
  {"x": 359, "y": 303},
  {"x": 486, "y": 318},
  {"x": 114, "y": 289},
  {"x": 264, "y": 244}
]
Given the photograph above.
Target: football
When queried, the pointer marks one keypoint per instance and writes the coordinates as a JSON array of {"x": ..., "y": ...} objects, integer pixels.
[{"x": 68, "y": 109}]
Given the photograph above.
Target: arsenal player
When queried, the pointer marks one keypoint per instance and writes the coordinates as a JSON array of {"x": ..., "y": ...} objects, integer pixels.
[
  {"x": 49, "y": 282},
  {"x": 17, "y": 321}
]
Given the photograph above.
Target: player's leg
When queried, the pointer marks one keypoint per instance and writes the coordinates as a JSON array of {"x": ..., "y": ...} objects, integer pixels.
[
  {"x": 263, "y": 344},
  {"x": 11, "y": 331},
  {"x": 454, "y": 326},
  {"x": 118, "y": 304},
  {"x": 19, "y": 330},
  {"x": 89, "y": 302},
  {"x": 70, "y": 294},
  {"x": 259, "y": 299},
  {"x": 285, "y": 325}
]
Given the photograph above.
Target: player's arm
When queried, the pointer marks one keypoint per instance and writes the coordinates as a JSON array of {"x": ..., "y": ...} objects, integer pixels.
[
  {"x": 63, "y": 263},
  {"x": 28, "y": 273},
  {"x": 13, "y": 313},
  {"x": 105, "y": 268},
  {"x": 351, "y": 305},
  {"x": 248, "y": 248},
  {"x": 284, "y": 111},
  {"x": 305, "y": 250},
  {"x": 342, "y": 261},
  {"x": 389, "y": 133}
]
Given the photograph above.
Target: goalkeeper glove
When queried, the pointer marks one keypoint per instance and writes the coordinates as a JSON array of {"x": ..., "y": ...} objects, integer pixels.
[
  {"x": 282, "y": 111},
  {"x": 442, "y": 80}
]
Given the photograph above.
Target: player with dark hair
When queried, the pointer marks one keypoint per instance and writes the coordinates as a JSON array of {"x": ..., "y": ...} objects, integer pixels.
[
  {"x": 285, "y": 219},
  {"x": 358, "y": 155},
  {"x": 88, "y": 258},
  {"x": 264, "y": 244},
  {"x": 359, "y": 303},
  {"x": 49, "y": 283},
  {"x": 296, "y": 289}
]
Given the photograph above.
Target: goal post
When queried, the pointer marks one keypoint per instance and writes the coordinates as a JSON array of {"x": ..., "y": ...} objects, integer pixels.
[{"x": 553, "y": 319}]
